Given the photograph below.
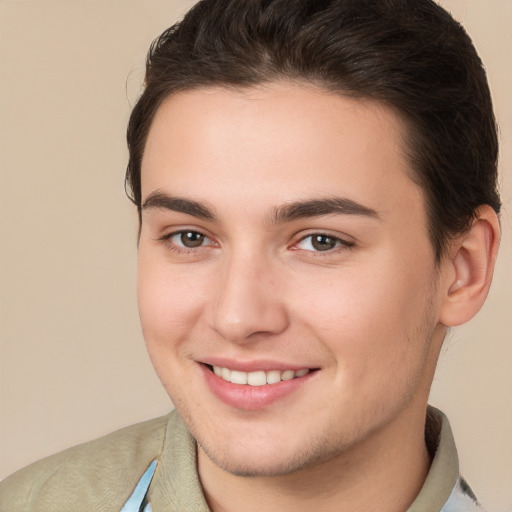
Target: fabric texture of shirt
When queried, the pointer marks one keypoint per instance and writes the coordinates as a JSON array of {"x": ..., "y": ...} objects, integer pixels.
[{"x": 151, "y": 467}]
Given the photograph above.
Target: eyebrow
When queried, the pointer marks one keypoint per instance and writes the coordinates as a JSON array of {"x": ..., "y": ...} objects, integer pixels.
[
  {"x": 279, "y": 215},
  {"x": 159, "y": 200},
  {"x": 318, "y": 207}
]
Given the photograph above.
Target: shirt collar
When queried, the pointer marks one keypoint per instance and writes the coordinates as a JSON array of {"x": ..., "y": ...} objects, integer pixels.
[{"x": 444, "y": 470}]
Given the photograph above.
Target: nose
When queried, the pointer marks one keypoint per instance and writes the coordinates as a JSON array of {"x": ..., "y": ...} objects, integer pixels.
[{"x": 249, "y": 302}]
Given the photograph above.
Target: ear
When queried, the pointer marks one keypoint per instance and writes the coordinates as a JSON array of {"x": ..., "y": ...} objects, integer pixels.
[{"x": 469, "y": 268}]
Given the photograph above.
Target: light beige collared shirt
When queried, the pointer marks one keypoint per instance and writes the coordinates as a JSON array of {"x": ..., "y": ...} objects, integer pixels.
[{"x": 101, "y": 475}]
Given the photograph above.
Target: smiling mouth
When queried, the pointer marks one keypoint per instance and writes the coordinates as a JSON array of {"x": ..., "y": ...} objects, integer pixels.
[{"x": 257, "y": 378}]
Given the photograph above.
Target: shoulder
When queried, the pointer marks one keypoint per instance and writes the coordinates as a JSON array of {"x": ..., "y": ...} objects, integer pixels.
[{"x": 98, "y": 475}]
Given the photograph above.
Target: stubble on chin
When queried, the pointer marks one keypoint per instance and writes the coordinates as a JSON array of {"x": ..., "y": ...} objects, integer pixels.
[{"x": 300, "y": 460}]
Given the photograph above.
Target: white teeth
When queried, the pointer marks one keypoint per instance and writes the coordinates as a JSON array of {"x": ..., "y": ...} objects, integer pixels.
[
  {"x": 288, "y": 375},
  {"x": 238, "y": 377},
  {"x": 258, "y": 378},
  {"x": 273, "y": 377}
]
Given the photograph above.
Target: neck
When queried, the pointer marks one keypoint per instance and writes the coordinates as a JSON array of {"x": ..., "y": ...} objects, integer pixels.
[{"x": 383, "y": 473}]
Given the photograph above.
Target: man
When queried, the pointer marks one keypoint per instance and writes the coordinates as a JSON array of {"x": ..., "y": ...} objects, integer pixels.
[{"x": 316, "y": 187}]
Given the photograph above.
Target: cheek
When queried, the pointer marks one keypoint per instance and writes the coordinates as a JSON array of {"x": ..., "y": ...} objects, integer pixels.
[
  {"x": 375, "y": 322},
  {"x": 169, "y": 302}
]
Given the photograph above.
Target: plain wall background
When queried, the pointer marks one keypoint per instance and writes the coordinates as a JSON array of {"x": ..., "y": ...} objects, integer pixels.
[{"x": 72, "y": 360}]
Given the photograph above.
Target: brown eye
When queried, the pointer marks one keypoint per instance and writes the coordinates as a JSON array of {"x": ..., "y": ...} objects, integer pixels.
[
  {"x": 191, "y": 239},
  {"x": 323, "y": 242}
]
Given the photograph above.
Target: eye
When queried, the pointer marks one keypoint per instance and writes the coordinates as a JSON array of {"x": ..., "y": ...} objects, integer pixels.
[
  {"x": 187, "y": 239},
  {"x": 322, "y": 242}
]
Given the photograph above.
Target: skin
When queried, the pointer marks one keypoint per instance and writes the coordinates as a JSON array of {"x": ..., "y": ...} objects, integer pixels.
[{"x": 366, "y": 314}]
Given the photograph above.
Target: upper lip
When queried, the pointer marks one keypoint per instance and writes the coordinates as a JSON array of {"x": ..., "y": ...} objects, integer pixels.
[{"x": 253, "y": 365}]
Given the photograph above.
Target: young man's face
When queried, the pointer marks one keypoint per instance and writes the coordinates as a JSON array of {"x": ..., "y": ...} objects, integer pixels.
[{"x": 282, "y": 237}]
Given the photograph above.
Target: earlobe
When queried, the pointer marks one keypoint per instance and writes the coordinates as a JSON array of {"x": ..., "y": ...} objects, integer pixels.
[{"x": 470, "y": 268}]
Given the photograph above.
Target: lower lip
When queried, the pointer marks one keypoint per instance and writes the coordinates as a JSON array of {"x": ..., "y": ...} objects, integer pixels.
[{"x": 251, "y": 398}]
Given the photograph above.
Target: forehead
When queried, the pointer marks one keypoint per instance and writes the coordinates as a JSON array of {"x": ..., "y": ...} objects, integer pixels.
[{"x": 275, "y": 143}]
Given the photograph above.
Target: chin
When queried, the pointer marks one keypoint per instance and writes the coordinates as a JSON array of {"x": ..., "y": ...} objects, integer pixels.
[
  {"x": 257, "y": 468},
  {"x": 268, "y": 459}
]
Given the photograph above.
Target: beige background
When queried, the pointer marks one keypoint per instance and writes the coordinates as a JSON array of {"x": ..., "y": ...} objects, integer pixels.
[{"x": 72, "y": 360}]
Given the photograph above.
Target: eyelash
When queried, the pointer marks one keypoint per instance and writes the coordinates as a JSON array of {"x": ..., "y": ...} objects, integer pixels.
[{"x": 340, "y": 244}]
